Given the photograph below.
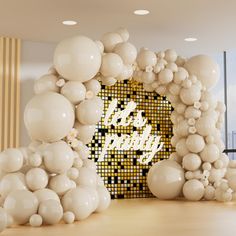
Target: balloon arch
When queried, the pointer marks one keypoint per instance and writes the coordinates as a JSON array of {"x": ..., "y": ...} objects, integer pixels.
[{"x": 54, "y": 171}]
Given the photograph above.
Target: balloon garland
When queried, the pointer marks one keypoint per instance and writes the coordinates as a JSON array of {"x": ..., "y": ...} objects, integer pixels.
[{"x": 54, "y": 175}]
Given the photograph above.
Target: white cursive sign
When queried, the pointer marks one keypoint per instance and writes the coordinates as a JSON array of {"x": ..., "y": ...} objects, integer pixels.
[{"x": 143, "y": 142}]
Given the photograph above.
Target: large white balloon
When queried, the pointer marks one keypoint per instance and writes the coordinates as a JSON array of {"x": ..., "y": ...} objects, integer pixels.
[
  {"x": 206, "y": 70},
  {"x": 146, "y": 58},
  {"x": 165, "y": 179},
  {"x": 77, "y": 58},
  {"x": 21, "y": 204},
  {"x": 49, "y": 117},
  {"x": 89, "y": 112}
]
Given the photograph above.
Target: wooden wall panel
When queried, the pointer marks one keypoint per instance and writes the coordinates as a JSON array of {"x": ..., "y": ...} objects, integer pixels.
[{"x": 9, "y": 92}]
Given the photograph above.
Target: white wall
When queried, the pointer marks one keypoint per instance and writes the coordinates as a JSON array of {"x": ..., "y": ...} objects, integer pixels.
[{"x": 36, "y": 58}]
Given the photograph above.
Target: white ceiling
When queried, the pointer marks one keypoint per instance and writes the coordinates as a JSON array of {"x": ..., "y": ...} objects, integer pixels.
[{"x": 169, "y": 22}]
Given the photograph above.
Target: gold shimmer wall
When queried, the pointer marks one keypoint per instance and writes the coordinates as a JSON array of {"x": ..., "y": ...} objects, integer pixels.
[
  {"x": 124, "y": 176},
  {"x": 9, "y": 92}
]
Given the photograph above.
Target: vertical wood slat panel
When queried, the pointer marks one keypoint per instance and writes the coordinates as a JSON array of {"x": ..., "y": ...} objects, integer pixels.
[{"x": 9, "y": 92}]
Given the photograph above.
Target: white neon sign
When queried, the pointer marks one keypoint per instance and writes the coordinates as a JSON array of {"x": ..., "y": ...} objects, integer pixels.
[{"x": 144, "y": 142}]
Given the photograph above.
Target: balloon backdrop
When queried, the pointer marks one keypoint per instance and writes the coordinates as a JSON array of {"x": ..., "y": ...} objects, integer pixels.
[{"x": 54, "y": 176}]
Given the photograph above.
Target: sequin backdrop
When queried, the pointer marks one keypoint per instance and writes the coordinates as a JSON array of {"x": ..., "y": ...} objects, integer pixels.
[{"x": 124, "y": 176}]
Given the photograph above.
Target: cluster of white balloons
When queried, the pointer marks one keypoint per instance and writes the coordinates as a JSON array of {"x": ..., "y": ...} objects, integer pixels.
[{"x": 53, "y": 179}]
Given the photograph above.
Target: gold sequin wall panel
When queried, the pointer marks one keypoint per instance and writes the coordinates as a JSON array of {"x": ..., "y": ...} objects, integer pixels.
[
  {"x": 124, "y": 176},
  {"x": 9, "y": 92}
]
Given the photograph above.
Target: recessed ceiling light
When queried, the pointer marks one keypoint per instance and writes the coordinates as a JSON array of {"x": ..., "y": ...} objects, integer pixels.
[
  {"x": 141, "y": 12},
  {"x": 190, "y": 39},
  {"x": 69, "y": 22}
]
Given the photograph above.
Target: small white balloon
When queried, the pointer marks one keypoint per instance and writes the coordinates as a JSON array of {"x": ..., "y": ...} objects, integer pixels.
[
  {"x": 46, "y": 194},
  {"x": 190, "y": 95},
  {"x": 209, "y": 193},
  {"x": 85, "y": 132},
  {"x": 210, "y": 153},
  {"x": 60, "y": 184},
  {"x": 110, "y": 40},
  {"x": 191, "y": 161},
  {"x": 89, "y": 112},
  {"x": 146, "y": 58},
  {"x": 205, "y": 125},
  {"x": 193, "y": 190},
  {"x": 93, "y": 85},
  {"x": 36, "y": 178},
  {"x": 127, "y": 52},
  {"x": 170, "y": 55},
  {"x": 36, "y": 220},
  {"x": 87, "y": 177},
  {"x": 112, "y": 65},
  {"x": 74, "y": 91},
  {"x": 124, "y": 33},
  {"x": 73, "y": 173},
  {"x": 195, "y": 143},
  {"x": 69, "y": 217}
]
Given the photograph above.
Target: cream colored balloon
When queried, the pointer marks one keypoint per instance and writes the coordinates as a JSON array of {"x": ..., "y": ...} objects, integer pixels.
[
  {"x": 100, "y": 46},
  {"x": 210, "y": 153},
  {"x": 51, "y": 211},
  {"x": 46, "y": 83},
  {"x": 127, "y": 52},
  {"x": 124, "y": 33},
  {"x": 85, "y": 132},
  {"x": 36, "y": 178},
  {"x": 146, "y": 58},
  {"x": 191, "y": 162},
  {"x": 148, "y": 77},
  {"x": 93, "y": 193},
  {"x": 193, "y": 190},
  {"x": 181, "y": 147},
  {"x": 93, "y": 85},
  {"x": 170, "y": 55},
  {"x": 74, "y": 91},
  {"x": 3, "y": 219},
  {"x": 192, "y": 112},
  {"x": 77, "y": 58},
  {"x": 87, "y": 177},
  {"x": 58, "y": 157},
  {"x": 110, "y": 40},
  {"x": 46, "y": 194},
  {"x": 36, "y": 220},
  {"x": 112, "y": 65},
  {"x": 209, "y": 193},
  {"x": 232, "y": 182},
  {"x": 90, "y": 164},
  {"x": 78, "y": 201},
  {"x": 35, "y": 159},
  {"x": 195, "y": 143},
  {"x": 205, "y": 68},
  {"x": 21, "y": 204},
  {"x": 190, "y": 95},
  {"x": 83, "y": 152},
  {"x": 69, "y": 217},
  {"x": 89, "y": 112},
  {"x": 165, "y": 179},
  {"x": 11, "y": 160},
  {"x": 104, "y": 198},
  {"x": 49, "y": 117},
  {"x": 126, "y": 73},
  {"x": 180, "y": 75},
  {"x": 60, "y": 184},
  {"x": 205, "y": 125}
]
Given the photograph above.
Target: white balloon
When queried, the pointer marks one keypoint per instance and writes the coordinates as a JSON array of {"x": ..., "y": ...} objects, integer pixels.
[
  {"x": 60, "y": 184},
  {"x": 165, "y": 179},
  {"x": 100, "y": 46},
  {"x": 21, "y": 204},
  {"x": 126, "y": 51},
  {"x": 89, "y": 112},
  {"x": 3, "y": 219},
  {"x": 110, "y": 40},
  {"x": 192, "y": 112},
  {"x": 126, "y": 73},
  {"x": 49, "y": 117},
  {"x": 210, "y": 153},
  {"x": 170, "y": 55},
  {"x": 36, "y": 220},
  {"x": 209, "y": 193},
  {"x": 93, "y": 193},
  {"x": 74, "y": 91},
  {"x": 90, "y": 164},
  {"x": 146, "y": 58},
  {"x": 69, "y": 217},
  {"x": 104, "y": 198},
  {"x": 77, "y": 58},
  {"x": 83, "y": 152},
  {"x": 112, "y": 65},
  {"x": 193, "y": 190},
  {"x": 46, "y": 83},
  {"x": 78, "y": 201},
  {"x": 73, "y": 173},
  {"x": 87, "y": 177},
  {"x": 205, "y": 125},
  {"x": 11, "y": 160},
  {"x": 190, "y": 95},
  {"x": 124, "y": 33},
  {"x": 46, "y": 194},
  {"x": 85, "y": 132},
  {"x": 51, "y": 211},
  {"x": 191, "y": 162},
  {"x": 206, "y": 70},
  {"x": 181, "y": 147},
  {"x": 93, "y": 85},
  {"x": 58, "y": 157},
  {"x": 195, "y": 143},
  {"x": 11, "y": 182},
  {"x": 36, "y": 178},
  {"x": 180, "y": 75}
]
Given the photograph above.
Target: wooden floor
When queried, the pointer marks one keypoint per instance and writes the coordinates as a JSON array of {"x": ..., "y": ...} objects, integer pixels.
[{"x": 148, "y": 217}]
